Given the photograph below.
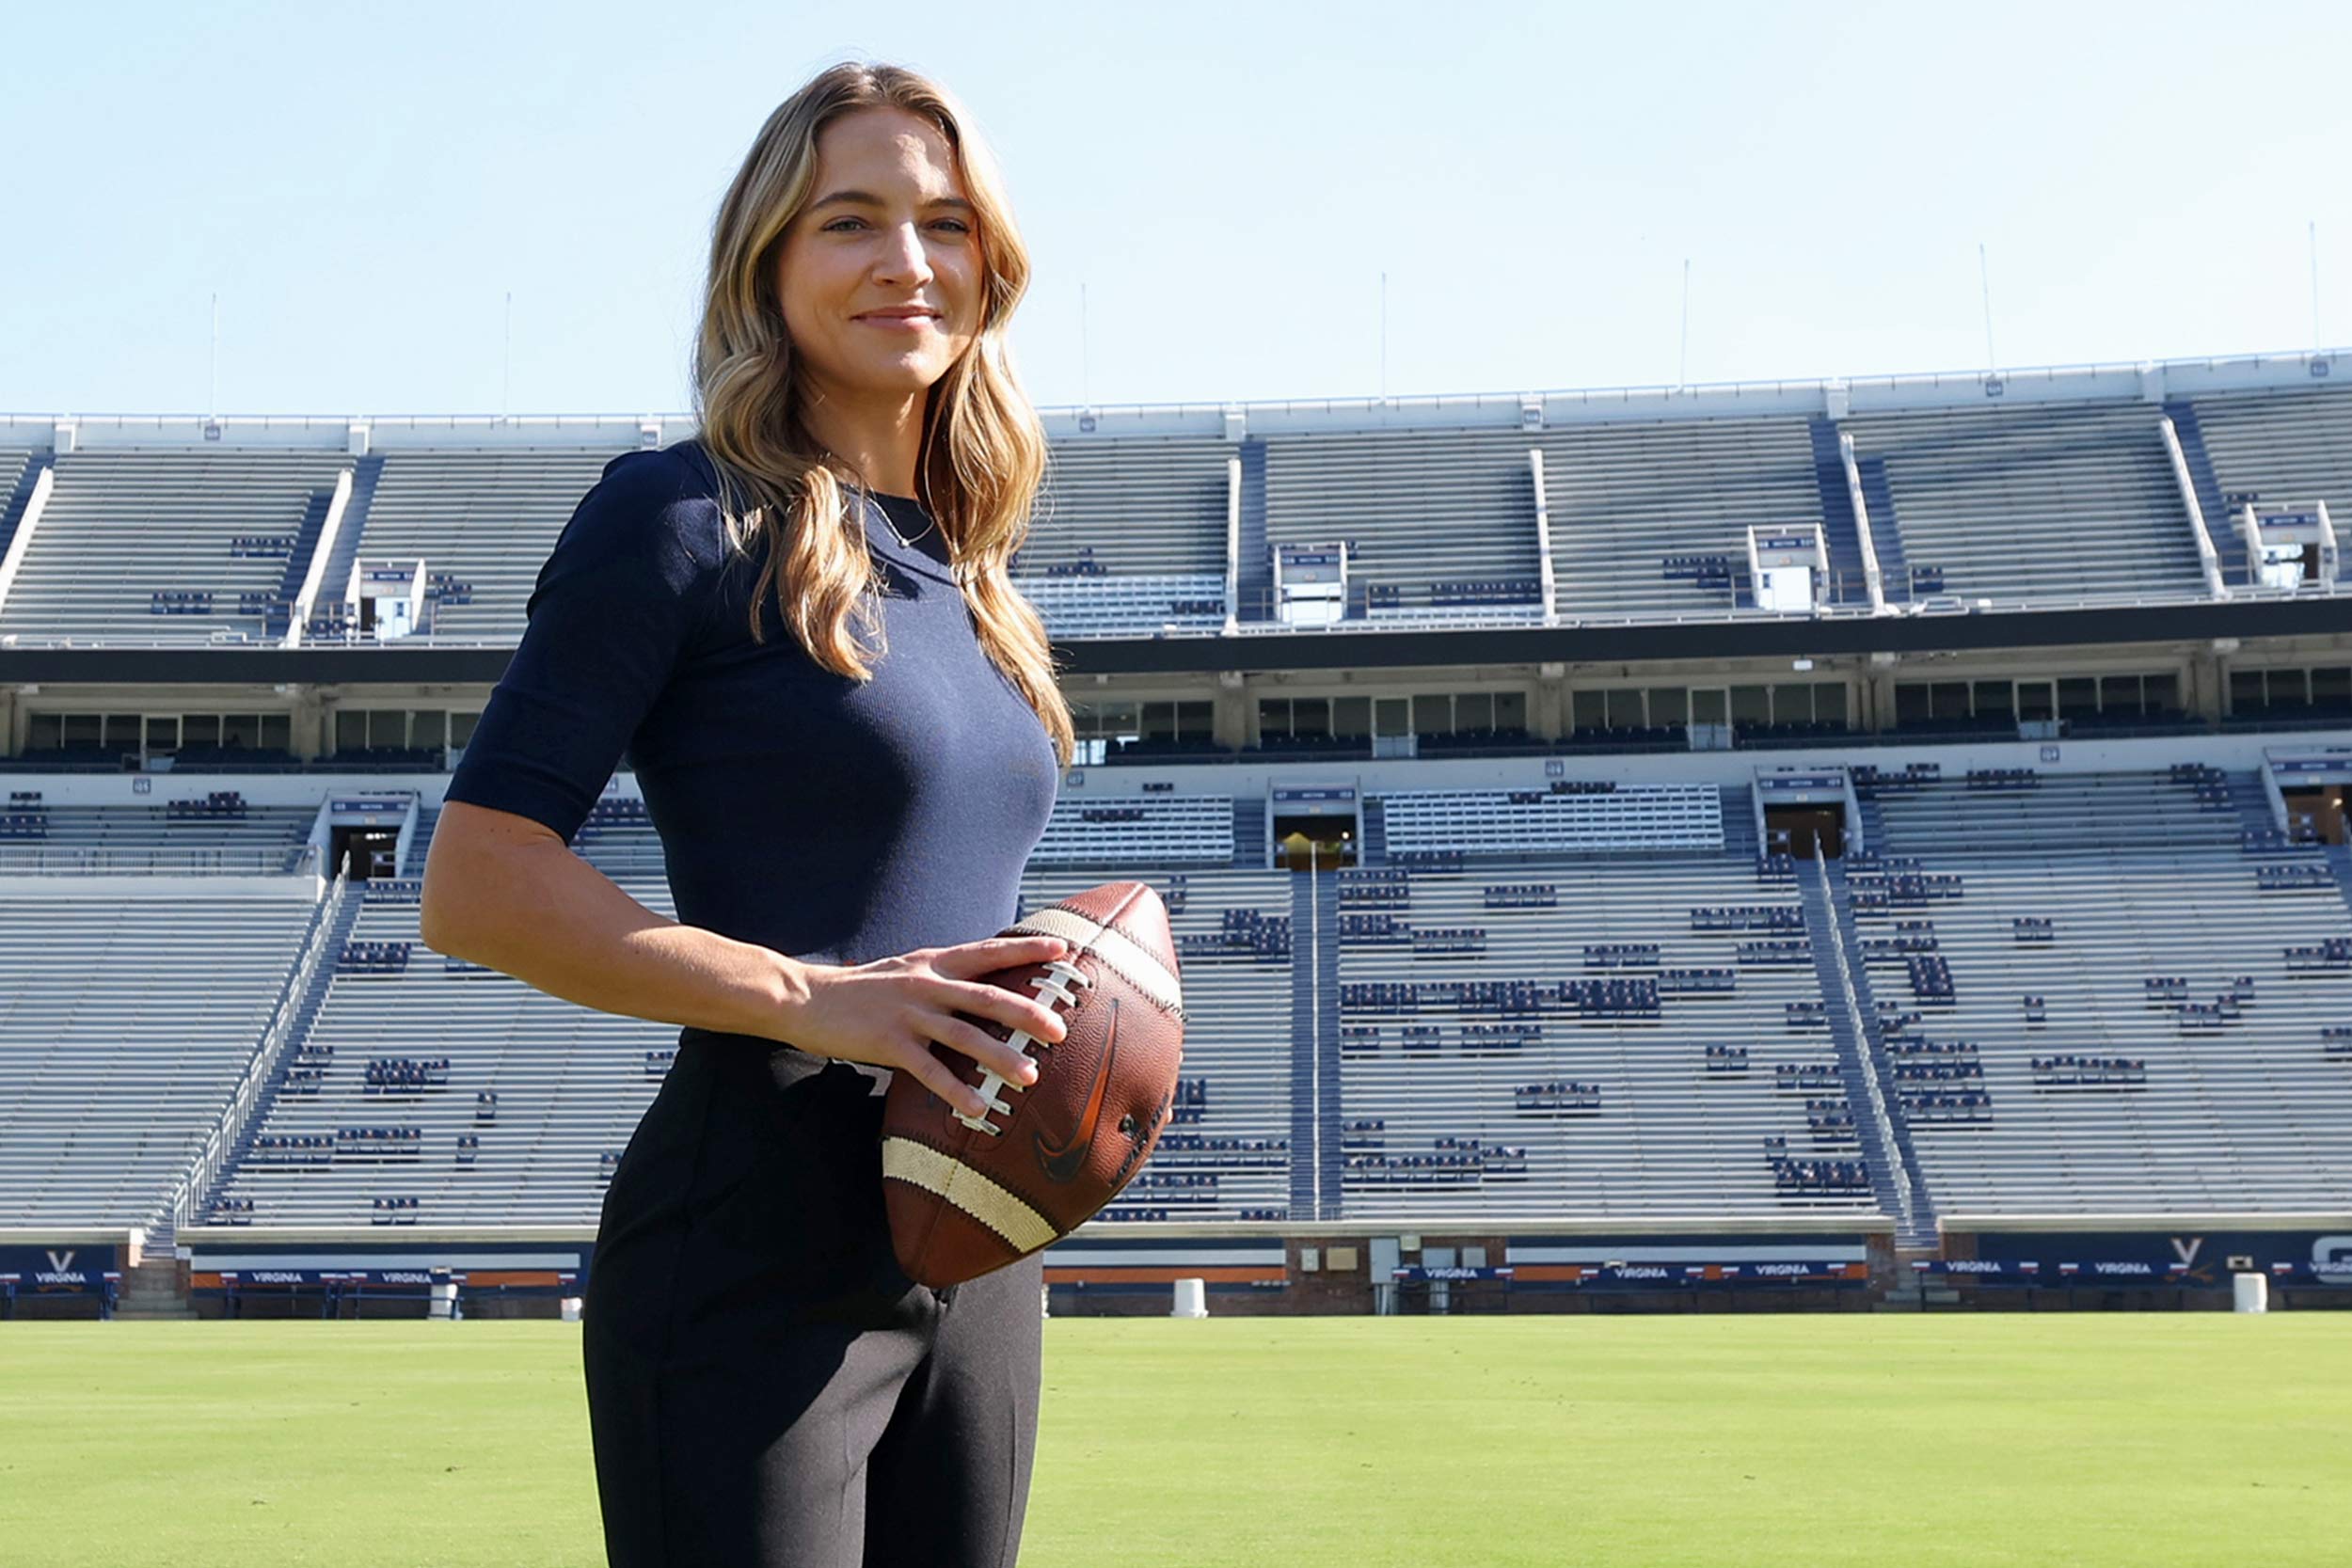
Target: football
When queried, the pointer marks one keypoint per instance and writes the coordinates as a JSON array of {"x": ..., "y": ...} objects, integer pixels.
[{"x": 968, "y": 1195}]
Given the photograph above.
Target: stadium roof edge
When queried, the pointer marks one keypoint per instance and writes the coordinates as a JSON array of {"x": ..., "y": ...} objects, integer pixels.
[{"x": 2137, "y": 381}]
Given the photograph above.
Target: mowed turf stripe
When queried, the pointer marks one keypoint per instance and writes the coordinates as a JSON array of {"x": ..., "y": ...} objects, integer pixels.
[{"x": 2136, "y": 1440}]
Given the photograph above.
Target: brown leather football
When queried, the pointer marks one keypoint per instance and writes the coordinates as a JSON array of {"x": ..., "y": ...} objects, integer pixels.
[{"x": 968, "y": 1196}]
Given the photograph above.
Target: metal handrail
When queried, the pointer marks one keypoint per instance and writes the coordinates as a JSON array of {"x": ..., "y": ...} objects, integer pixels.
[
  {"x": 246, "y": 1097},
  {"x": 1853, "y": 1002},
  {"x": 101, "y": 860}
]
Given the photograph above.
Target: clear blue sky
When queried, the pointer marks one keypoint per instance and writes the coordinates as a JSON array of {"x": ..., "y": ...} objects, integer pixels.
[{"x": 362, "y": 184}]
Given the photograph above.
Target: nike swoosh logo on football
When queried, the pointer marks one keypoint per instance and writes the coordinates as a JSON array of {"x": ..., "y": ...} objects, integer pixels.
[{"x": 1062, "y": 1165}]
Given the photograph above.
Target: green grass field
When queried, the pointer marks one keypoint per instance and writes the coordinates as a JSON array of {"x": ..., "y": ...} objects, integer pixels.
[{"x": 2143, "y": 1440}]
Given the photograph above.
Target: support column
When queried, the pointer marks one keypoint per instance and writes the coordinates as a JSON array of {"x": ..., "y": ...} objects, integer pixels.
[
  {"x": 309, "y": 708},
  {"x": 2206, "y": 682},
  {"x": 1229, "y": 722},
  {"x": 1878, "y": 697},
  {"x": 1547, "y": 716}
]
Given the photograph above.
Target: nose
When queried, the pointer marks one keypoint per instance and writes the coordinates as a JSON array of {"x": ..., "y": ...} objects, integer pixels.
[{"x": 904, "y": 256}]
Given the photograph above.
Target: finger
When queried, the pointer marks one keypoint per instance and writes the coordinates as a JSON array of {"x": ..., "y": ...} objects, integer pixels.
[
  {"x": 938, "y": 1077},
  {"x": 1009, "y": 1008},
  {"x": 992, "y": 953},
  {"x": 999, "y": 1057}
]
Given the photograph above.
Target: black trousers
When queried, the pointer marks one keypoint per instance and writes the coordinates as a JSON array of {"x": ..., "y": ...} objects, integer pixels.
[{"x": 766, "y": 1386}]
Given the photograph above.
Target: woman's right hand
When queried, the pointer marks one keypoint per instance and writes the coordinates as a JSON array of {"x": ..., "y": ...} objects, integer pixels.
[{"x": 888, "y": 1012}]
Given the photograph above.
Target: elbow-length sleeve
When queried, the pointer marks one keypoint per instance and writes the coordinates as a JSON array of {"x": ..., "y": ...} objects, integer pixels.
[{"x": 617, "y": 604}]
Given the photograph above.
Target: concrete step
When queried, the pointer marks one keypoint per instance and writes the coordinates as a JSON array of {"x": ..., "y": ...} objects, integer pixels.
[{"x": 151, "y": 1289}]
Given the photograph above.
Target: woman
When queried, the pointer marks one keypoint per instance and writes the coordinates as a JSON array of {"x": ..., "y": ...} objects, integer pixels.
[{"x": 845, "y": 821}]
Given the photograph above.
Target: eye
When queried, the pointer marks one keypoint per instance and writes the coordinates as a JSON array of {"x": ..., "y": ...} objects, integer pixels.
[{"x": 835, "y": 227}]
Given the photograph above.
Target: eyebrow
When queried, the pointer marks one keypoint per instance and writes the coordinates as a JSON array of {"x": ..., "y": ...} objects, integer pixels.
[{"x": 867, "y": 199}]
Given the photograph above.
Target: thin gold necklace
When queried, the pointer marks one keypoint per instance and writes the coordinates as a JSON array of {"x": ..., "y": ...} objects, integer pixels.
[{"x": 892, "y": 524}]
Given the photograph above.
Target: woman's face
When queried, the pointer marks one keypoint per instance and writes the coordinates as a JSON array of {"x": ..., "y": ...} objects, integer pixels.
[{"x": 890, "y": 227}]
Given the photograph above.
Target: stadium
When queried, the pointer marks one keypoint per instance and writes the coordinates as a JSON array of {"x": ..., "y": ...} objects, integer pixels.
[
  {"x": 1764, "y": 965},
  {"x": 1841, "y": 845}
]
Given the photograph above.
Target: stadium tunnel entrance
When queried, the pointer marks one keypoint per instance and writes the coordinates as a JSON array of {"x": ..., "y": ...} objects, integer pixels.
[
  {"x": 1313, "y": 826},
  {"x": 364, "y": 854},
  {"x": 2322, "y": 806},
  {"x": 1811, "y": 832},
  {"x": 1320, "y": 843}
]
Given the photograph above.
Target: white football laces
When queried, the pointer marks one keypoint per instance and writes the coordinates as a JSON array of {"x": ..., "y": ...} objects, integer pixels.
[{"x": 1056, "y": 980}]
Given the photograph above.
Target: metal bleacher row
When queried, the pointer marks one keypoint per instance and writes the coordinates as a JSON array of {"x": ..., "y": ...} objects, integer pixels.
[
  {"x": 124, "y": 1026},
  {"x": 1630, "y": 819},
  {"x": 122, "y": 527},
  {"x": 2138, "y": 881},
  {"x": 487, "y": 518},
  {"x": 1623, "y": 497},
  {"x": 571, "y": 1084},
  {"x": 2023, "y": 504},
  {"x": 1421, "y": 508},
  {"x": 1529, "y": 1105},
  {"x": 2016, "y": 504},
  {"x": 2081, "y": 994},
  {"x": 222, "y": 834},
  {"x": 2273, "y": 446}
]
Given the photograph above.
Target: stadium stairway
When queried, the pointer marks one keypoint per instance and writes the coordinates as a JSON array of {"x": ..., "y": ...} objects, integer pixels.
[
  {"x": 298, "y": 559},
  {"x": 1253, "y": 574},
  {"x": 1740, "y": 822},
  {"x": 2340, "y": 863},
  {"x": 152, "y": 1288},
  {"x": 1250, "y": 833},
  {"x": 337, "y": 578},
  {"x": 2253, "y": 806},
  {"x": 1314, "y": 1024},
  {"x": 420, "y": 840},
  {"x": 1863, "y": 1052},
  {"x": 1873, "y": 824},
  {"x": 1886, "y": 538},
  {"x": 21, "y": 497},
  {"x": 1327, "y": 1045},
  {"x": 1839, "y": 530},
  {"x": 1825, "y": 935},
  {"x": 304, "y": 1017},
  {"x": 2228, "y": 545},
  {"x": 1376, "y": 850}
]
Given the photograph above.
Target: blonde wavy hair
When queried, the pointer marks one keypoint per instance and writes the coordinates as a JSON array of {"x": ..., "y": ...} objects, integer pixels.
[{"x": 983, "y": 450}]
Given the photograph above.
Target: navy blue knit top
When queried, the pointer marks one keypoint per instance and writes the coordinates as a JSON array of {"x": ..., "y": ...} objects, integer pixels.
[{"x": 832, "y": 821}]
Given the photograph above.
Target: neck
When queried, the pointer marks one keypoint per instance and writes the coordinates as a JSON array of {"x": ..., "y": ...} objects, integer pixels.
[{"x": 878, "y": 436}]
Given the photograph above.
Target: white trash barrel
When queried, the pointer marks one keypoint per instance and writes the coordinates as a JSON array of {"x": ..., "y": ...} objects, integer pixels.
[
  {"x": 444, "y": 1302},
  {"x": 1192, "y": 1299},
  {"x": 2252, "y": 1291},
  {"x": 571, "y": 1309}
]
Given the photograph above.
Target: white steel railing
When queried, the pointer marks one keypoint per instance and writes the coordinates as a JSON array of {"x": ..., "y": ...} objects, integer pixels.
[
  {"x": 2207, "y": 560},
  {"x": 1873, "y": 580},
  {"x": 244, "y": 1099},
  {"x": 1851, "y": 1000},
  {"x": 66, "y": 860},
  {"x": 1519, "y": 617}
]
